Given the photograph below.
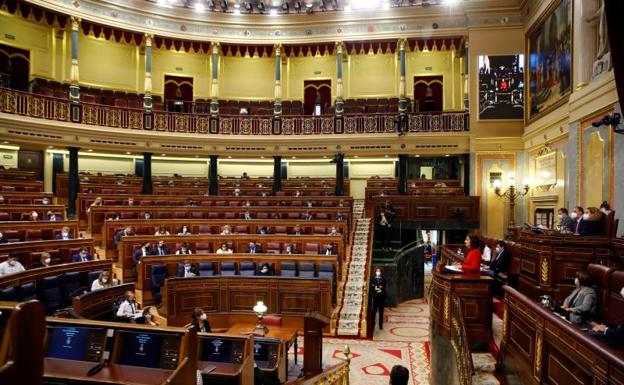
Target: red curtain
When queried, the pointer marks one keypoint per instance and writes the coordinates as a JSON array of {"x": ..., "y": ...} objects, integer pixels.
[
  {"x": 310, "y": 90},
  {"x": 434, "y": 102},
  {"x": 184, "y": 84},
  {"x": 14, "y": 67}
]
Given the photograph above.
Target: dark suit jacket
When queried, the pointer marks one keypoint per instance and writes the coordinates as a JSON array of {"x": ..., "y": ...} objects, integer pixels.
[
  {"x": 381, "y": 282},
  {"x": 118, "y": 236},
  {"x": 615, "y": 336},
  {"x": 60, "y": 236},
  {"x": 4, "y": 239},
  {"x": 139, "y": 254},
  {"x": 567, "y": 223},
  {"x": 256, "y": 250},
  {"x": 76, "y": 258},
  {"x": 194, "y": 270},
  {"x": 501, "y": 262},
  {"x": 324, "y": 252},
  {"x": 593, "y": 228},
  {"x": 165, "y": 250}
]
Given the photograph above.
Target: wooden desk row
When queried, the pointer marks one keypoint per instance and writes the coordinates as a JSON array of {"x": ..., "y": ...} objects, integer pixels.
[
  {"x": 229, "y": 300},
  {"x": 372, "y": 192},
  {"x": 210, "y": 243},
  {"x": 20, "y": 185},
  {"x": 214, "y": 226},
  {"x": 35, "y": 275},
  {"x": 144, "y": 268},
  {"x": 61, "y": 251},
  {"x": 13, "y": 212},
  {"x": 98, "y": 304},
  {"x": 16, "y": 174},
  {"x": 39, "y": 230},
  {"x": 393, "y": 183},
  {"x": 85, "y": 200},
  {"x": 541, "y": 348},
  {"x": 98, "y": 215},
  {"x": 454, "y": 212},
  {"x": 25, "y": 198}
]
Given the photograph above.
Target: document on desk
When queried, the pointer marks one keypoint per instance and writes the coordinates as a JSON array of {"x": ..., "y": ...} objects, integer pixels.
[{"x": 454, "y": 269}]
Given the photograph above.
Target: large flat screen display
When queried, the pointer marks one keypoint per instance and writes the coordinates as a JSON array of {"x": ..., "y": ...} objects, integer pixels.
[
  {"x": 501, "y": 87},
  {"x": 75, "y": 343}
]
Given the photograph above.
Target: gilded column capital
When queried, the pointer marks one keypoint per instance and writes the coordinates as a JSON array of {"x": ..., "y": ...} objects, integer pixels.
[
  {"x": 215, "y": 47},
  {"x": 75, "y": 23},
  {"x": 148, "y": 39},
  {"x": 339, "y": 46},
  {"x": 278, "y": 49},
  {"x": 402, "y": 43}
]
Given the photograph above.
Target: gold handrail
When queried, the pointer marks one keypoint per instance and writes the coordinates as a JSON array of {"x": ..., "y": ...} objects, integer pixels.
[
  {"x": 459, "y": 342},
  {"x": 334, "y": 375}
]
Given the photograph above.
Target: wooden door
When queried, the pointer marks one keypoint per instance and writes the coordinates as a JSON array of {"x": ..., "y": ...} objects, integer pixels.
[
  {"x": 31, "y": 161},
  {"x": 428, "y": 93},
  {"x": 314, "y": 90},
  {"x": 178, "y": 93}
]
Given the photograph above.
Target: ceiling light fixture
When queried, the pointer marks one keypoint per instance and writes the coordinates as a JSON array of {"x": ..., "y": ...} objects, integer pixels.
[
  {"x": 273, "y": 12},
  {"x": 199, "y": 6},
  {"x": 309, "y": 9},
  {"x": 347, "y": 8}
]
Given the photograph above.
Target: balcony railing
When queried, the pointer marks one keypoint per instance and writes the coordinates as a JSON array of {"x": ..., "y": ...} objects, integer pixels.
[{"x": 50, "y": 108}]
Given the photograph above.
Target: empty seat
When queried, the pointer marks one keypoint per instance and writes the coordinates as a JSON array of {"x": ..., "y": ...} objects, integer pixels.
[
  {"x": 214, "y": 215},
  {"x": 311, "y": 248},
  {"x": 247, "y": 268},
  {"x": 203, "y": 229},
  {"x": 272, "y": 320},
  {"x": 206, "y": 269},
  {"x": 281, "y": 230},
  {"x": 203, "y": 247},
  {"x": 5, "y": 217},
  {"x": 158, "y": 275},
  {"x": 33, "y": 235},
  {"x": 228, "y": 268},
  {"x": 229, "y": 215},
  {"x": 306, "y": 270},
  {"x": 71, "y": 286},
  {"x": 51, "y": 293},
  {"x": 326, "y": 271},
  {"x": 319, "y": 230},
  {"x": 262, "y": 216},
  {"x": 273, "y": 247},
  {"x": 241, "y": 229},
  {"x": 293, "y": 215},
  {"x": 26, "y": 291},
  {"x": 323, "y": 216},
  {"x": 9, "y": 294},
  {"x": 288, "y": 269},
  {"x": 164, "y": 215}
]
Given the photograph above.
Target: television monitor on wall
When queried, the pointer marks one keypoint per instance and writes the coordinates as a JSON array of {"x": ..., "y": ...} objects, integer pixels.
[{"x": 501, "y": 87}]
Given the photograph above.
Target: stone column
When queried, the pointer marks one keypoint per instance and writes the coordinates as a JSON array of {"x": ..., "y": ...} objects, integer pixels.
[
  {"x": 147, "y": 173},
  {"x": 74, "y": 182},
  {"x": 402, "y": 88},
  {"x": 403, "y": 173},
  {"x": 277, "y": 173},
  {"x": 214, "y": 86},
  {"x": 147, "y": 98},
  {"x": 74, "y": 76},
  {"x": 339, "y": 96},
  {"x": 213, "y": 175},
  {"x": 584, "y": 50},
  {"x": 277, "y": 110},
  {"x": 339, "y": 191}
]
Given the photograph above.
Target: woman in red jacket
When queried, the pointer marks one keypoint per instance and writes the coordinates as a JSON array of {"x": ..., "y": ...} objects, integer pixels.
[{"x": 473, "y": 259}]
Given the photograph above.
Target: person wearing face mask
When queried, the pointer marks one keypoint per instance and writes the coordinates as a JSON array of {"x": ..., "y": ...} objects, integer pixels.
[
  {"x": 51, "y": 216},
  {"x": 566, "y": 224},
  {"x": 11, "y": 265},
  {"x": 581, "y": 303},
  {"x": 3, "y": 238},
  {"x": 605, "y": 208},
  {"x": 184, "y": 249},
  {"x": 580, "y": 224},
  {"x": 184, "y": 231},
  {"x": 45, "y": 201},
  {"x": 200, "y": 321},
  {"x": 224, "y": 249},
  {"x": 594, "y": 222},
  {"x": 82, "y": 256},
  {"x": 501, "y": 260},
  {"x": 2, "y": 200},
  {"x": 288, "y": 249},
  {"x": 147, "y": 215},
  {"x": 226, "y": 230},
  {"x": 329, "y": 249},
  {"x": 45, "y": 260},
  {"x": 160, "y": 249},
  {"x": 186, "y": 270},
  {"x": 104, "y": 281},
  {"x": 34, "y": 216},
  {"x": 246, "y": 216},
  {"x": 65, "y": 234},
  {"x": 614, "y": 336},
  {"x": 378, "y": 291},
  {"x": 265, "y": 270}
]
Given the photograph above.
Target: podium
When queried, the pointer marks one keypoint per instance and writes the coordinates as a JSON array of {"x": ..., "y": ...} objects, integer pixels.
[{"x": 313, "y": 325}]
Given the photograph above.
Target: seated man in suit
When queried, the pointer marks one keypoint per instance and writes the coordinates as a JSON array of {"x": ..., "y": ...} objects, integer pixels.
[
  {"x": 288, "y": 249},
  {"x": 614, "y": 336},
  {"x": 246, "y": 216},
  {"x": 65, "y": 234},
  {"x": 51, "y": 216},
  {"x": 566, "y": 224},
  {"x": 580, "y": 225},
  {"x": 253, "y": 248},
  {"x": 160, "y": 249},
  {"x": 296, "y": 230},
  {"x": 188, "y": 270},
  {"x": 129, "y": 230},
  {"x": 141, "y": 252},
  {"x": 262, "y": 230},
  {"x": 500, "y": 261},
  {"x": 82, "y": 256},
  {"x": 329, "y": 249}
]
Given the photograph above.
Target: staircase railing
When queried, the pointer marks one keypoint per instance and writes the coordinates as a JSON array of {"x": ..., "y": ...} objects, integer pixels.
[{"x": 459, "y": 342}]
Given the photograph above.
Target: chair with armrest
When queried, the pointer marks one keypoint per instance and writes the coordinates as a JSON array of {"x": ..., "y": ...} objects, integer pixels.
[
  {"x": 247, "y": 268},
  {"x": 228, "y": 269},
  {"x": 306, "y": 270},
  {"x": 272, "y": 320},
  {"x": 9, "y": 294},
  {"x": 70, "y": 284},
  {"x": 27, "y": 291},
  {"x": 288, "y": 269},
  {"x": 51, "y": 293},
  {"x": 206, "y": 269},
  {"x": 311, "y": 248},
  {"x": 158, "y": 274}
]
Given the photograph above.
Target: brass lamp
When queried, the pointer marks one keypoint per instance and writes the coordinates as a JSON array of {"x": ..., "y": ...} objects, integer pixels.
[
  {"x": 260, "y": 309},
  {"x": 512, "y": 193}
]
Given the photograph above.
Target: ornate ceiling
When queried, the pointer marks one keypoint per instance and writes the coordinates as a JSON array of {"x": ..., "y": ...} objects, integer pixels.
[{"x": 389, "y": 19}]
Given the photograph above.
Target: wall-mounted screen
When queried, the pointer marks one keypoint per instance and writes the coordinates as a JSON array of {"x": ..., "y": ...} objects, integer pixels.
[
  {"x": 501, "y": 87},
  {"x": 76, "y": 343},
  {"x": 148, "y": 350}
]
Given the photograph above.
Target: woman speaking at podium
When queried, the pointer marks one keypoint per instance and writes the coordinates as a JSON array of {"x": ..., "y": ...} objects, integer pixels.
[{"x": 473, "y": 259}]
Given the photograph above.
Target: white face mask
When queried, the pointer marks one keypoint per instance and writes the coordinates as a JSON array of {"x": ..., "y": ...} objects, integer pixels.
[
  {"x": 378, "y": 273},
  {"x": 64, "y": 234},
  {"x": 576, "y": 282},
  {"x": 622, "y": 292},
  {"x": 35, "y": 215},
  {"x": 203, "y": 317},
  {"x": 585, "y": 217},
  {"x": 186, "y": 267},
  {"x": 560, "y": 216},
  {"x": 47, "y": 261},
  {"x": 604, "y": 210},
  {"x": 104, "y": 280},
  {"x": 264, "y": 270},
  {"x": 574, "y": 215},
  {"x": 498, "y": 250}
]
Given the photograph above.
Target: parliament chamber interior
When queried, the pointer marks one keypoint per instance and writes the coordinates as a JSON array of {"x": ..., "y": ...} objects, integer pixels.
[{"x": 311, "y": 192}]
